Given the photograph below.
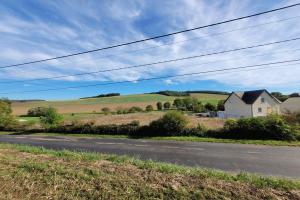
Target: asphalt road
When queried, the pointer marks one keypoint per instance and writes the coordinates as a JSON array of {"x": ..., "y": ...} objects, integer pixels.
[{"x": 266, "y": 160}]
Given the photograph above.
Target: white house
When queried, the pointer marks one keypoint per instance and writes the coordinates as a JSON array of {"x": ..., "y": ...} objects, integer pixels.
[
  {"x": 251, "y": 104},
  {"x": 292, "y": 104}
]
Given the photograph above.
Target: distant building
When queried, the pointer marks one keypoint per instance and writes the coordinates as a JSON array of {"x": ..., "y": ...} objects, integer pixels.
[
  {"x": 251, "y": 104},
  {"x": 292, "y": 104}
]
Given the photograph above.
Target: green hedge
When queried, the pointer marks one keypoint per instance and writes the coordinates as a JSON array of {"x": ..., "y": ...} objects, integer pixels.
[{"x": 270, "y": 127}]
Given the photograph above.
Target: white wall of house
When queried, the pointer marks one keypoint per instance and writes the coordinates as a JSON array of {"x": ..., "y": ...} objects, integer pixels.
[
  {"x": 291, "y": 105},
  {"x": 236, "y": 108},
  {"x": 265, "y": 105}
]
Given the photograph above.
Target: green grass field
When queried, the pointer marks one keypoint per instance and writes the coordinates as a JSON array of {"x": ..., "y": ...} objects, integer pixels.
[{"x": 37, "y": 173}]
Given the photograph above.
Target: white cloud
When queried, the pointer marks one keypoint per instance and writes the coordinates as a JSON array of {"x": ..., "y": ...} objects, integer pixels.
[{"x": 83, "y": 26}]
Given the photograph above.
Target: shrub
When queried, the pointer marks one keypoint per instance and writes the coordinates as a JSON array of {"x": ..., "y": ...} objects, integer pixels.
[
  {"x": 230, "y": 124},
  {"x": 105, "y": 110},
  {"x": 51, "y": 118},
  {"x": 135, "y": 109},
  {"x": 6, "y": 118},
  {"x": 149, "y": 108},
  {"x": 210, "y": 107},
  {"x": 270, "y": 127},
  {"x": 178, "y": 103},
  {"x": 220, "y": 105},
  {"x": 121, "y": 111},
  {"x": 91, "y": 128},
  {"x": 292, "y": 118},
  {"x": 200, "y": 131},
  {"x": 172, "y": 123},
  {"x": 198, "y": 108},
  {"x": 37, "y": 112},
  {"x": 159, "y": 106},
  {"x": 167, "y": 105}
]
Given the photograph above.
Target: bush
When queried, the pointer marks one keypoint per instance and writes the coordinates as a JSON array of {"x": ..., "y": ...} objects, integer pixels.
[
  {"x": 149, "y": 108},
  {"x": 167, "y": 105},
  {"x": 220, "y": 106},
  {"x": 6, "y": 118},
  {"x": 135, "y": 109},
  {"x": 178, "y": 103},
  {"x": 105, "y": 110},
  {"x": 122, "y": 111},
  {"x": 91, "y": 128},
  {"x": 171, "y": 124},
  {"x": 270, "y": 127},
  {"x": 159, "y": 106},
  {"x": 292, "y": 118},
  {"x": 210, "y": 107},
  {"x": 198, "y": 108},
  {"x": 51, "y": 118},
  {"x": 200, "y": 131},
  {"x": 37, "y": 112}
]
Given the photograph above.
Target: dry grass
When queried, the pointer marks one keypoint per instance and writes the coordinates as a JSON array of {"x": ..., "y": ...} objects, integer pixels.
[
  {"x": 22, "y": 108},
  {"x": 146, "y": 118},
  {"x": 25, "y": 175}
]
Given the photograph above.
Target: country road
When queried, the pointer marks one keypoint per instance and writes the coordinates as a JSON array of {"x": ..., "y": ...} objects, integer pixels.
[{"x": 266, "y": 160}]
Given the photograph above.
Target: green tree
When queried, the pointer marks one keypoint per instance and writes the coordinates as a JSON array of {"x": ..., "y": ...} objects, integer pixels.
[
  {"x": 159, "y": 106},
  {"x": 105, "y": 110},
  {"x": 51, "y": 118},
  {"x": 178, "y": 103},
  {"x": 37, "y": 111},
  {"x": 280, "y": 96},
  {"x": 167, "y": 105},
  {"x": 198, "y": 108},
  {"x": 6, "y": 118},
  {"x": 220, "y": 105},
  {"x": 149, "y": 108},
  {"x": 210, "y": 107}
]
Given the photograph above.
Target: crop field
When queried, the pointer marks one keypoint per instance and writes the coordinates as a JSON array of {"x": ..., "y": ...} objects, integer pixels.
[{"x": 95, "y": 104}]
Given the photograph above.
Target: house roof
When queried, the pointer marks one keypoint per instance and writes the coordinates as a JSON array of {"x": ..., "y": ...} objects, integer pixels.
[{"x": 249, "y": 97}]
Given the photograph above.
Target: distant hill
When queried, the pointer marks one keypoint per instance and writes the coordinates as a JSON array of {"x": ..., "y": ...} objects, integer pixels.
[
  {"x": 283, "y": 97},
  {"x": 187, "y": 93},
  {"x": 102, "y": 95},
  {"x": 25, "y": 101}
]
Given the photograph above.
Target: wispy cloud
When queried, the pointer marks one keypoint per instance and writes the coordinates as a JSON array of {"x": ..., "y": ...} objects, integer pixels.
[{"x": 63, "y": 27}]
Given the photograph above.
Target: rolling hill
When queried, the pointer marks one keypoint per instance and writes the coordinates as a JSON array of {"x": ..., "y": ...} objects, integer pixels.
[{"x": 95, "y": 104}]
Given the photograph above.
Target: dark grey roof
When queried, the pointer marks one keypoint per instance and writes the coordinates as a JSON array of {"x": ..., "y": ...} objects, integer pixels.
[{"x": 249, "y": 97}]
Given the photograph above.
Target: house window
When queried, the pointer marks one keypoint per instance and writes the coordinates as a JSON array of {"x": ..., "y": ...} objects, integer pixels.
[
  {"x": 262, "y": 100},
  {"x": 259, "y": 110}
]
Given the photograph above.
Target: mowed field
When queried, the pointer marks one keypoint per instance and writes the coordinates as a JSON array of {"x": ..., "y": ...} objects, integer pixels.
[{"x": 95, "y": 104}]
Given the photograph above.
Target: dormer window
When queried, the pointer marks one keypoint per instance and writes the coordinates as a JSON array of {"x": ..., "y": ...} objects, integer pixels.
[{"x": 262, "y": 100}]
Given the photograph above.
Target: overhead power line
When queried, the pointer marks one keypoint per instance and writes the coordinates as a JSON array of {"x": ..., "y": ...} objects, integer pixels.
[
  {"x": 156, "y": 63},
  {"x": 154, "y": 78},
  {"x": 184, "y": 41},
  {"x": 152, "y": 38}
]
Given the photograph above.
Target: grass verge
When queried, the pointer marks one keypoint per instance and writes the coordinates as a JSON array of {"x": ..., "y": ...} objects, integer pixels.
[
  {"x": 36, "y": 173},
  {"x": 181, "y": 138}
]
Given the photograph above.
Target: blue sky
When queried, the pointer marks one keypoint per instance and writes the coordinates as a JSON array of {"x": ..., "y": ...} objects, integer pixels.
[{"x": 37, "y": 29}]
